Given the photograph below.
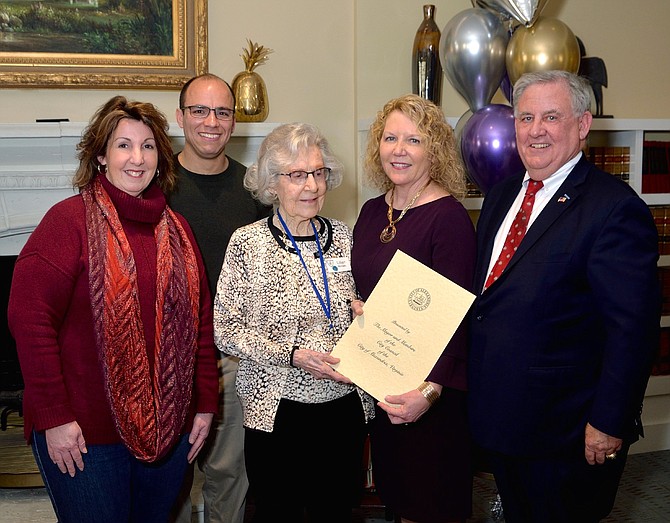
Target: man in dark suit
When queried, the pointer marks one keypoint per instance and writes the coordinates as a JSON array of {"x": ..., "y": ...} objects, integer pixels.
[{"x": 565, "y": 325}]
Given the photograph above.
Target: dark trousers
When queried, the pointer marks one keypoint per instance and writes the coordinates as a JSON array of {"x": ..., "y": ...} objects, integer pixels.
[
  {"x": 309, "y": 468},
  {"x": 557, "y": 489}
]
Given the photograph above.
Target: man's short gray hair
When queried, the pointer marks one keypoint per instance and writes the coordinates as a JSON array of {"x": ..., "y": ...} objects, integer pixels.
[{"x": 580, "y": 90}]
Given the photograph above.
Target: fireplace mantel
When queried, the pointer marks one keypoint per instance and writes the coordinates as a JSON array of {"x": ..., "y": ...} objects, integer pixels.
[{"x": 38, "y": 160}]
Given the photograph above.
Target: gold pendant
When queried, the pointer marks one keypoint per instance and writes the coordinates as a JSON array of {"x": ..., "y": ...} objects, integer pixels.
[{"x": 387, "y": 234}]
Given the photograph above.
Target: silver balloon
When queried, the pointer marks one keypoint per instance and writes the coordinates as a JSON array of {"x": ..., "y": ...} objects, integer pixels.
[
  {"x": 524, "y": 11},
  {"x": 472, "y": 51}
]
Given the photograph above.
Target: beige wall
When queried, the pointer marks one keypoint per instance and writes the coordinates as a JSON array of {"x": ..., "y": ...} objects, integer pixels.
[
  {"x": 631, "y": 37},
  {"x": 337, "y": 61}
]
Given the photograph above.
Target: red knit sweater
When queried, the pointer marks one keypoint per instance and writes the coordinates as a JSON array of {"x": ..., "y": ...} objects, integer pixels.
[{"x": 50, "y": 317}]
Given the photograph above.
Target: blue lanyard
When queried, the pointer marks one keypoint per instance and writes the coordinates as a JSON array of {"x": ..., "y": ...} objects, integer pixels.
[{"x": 325, "y": 304}]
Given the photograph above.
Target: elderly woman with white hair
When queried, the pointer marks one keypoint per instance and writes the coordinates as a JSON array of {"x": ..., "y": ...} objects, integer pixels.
[{"x": 283, "y": 300}]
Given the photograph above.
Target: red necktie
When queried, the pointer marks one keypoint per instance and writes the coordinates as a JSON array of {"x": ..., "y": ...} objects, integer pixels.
[{"x": 516, "y": 232}]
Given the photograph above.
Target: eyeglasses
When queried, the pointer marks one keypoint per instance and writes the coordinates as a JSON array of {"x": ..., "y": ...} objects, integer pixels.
[
  {"x": 202, "y": 111},
  {"x": 300, "y": 177}
]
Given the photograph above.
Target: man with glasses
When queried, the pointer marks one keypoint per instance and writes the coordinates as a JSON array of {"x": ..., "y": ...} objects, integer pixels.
[{"x": 211, "y": 195}]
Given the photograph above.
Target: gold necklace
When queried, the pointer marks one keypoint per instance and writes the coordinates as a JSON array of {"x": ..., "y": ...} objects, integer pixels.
[{"x": 388, "y": 232}]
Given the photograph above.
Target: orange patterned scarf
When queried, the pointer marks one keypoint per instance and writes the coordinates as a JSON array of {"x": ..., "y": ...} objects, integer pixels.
[{"x": 149, "y": 413}]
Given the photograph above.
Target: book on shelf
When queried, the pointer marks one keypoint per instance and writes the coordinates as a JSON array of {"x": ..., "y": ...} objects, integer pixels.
[
  {"x": 614, "y": 160},
  {"x": 661, "y": 214},
  {"x": 472, "y": 190},
  {"x": 655, "y": 167},
  {"x": 664, "y": 278},
  {"x": 661, "y": 365}
]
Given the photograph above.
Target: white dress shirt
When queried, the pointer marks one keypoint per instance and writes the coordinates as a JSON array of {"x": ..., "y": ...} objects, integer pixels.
[{"x": 542, "y": 197}]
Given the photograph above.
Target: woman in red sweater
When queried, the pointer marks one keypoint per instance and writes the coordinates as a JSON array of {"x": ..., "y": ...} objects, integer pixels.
[{"x": 112, "y": 318}]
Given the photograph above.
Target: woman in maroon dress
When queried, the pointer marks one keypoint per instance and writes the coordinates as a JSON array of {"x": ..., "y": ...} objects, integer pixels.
[{"x": 420, "y": 448}]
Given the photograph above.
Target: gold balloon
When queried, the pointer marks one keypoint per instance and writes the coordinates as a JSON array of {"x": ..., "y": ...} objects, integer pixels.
[{"x": 548, "y": 44}]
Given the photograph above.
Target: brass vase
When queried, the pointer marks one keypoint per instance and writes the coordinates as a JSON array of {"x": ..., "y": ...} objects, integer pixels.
[{"x": 251, "y": 96}]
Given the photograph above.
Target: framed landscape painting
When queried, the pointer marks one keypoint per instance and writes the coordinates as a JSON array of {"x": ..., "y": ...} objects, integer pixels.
[{"x": 134, "y": 44}]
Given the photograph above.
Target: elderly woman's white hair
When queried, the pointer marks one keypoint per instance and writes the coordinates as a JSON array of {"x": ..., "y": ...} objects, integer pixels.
[{"x": 280, "y": 149}]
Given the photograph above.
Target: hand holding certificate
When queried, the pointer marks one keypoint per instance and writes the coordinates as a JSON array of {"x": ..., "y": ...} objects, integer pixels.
[{"x": 409, "y": 318}]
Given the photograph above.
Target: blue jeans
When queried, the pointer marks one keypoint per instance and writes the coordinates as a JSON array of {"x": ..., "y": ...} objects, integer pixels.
[{"x": 114, "y": 486}]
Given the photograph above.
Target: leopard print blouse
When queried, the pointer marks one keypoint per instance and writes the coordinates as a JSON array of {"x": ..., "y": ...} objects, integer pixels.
[{"x": 265, "y": 305}]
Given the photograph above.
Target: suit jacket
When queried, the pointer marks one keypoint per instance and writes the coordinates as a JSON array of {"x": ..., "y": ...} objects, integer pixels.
[{"x": 568, "y": 332}]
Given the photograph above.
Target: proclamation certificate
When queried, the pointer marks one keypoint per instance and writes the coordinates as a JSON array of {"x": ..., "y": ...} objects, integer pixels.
[{"x": 408, "y": 319}]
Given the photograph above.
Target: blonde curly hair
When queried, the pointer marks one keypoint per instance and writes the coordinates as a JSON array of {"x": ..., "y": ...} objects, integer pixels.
[{"x": 446, "y": 167}]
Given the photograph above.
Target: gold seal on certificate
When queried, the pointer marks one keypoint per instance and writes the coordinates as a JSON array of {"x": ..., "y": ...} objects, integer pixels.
[
  {"x": 408, "y": 319},
  {"x": 419, "y": 299}
]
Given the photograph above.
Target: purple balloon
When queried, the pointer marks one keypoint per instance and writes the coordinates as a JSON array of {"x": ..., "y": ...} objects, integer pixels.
[
  {"x": 506, "y": 87},
  {"x": 488, "y": 146}
]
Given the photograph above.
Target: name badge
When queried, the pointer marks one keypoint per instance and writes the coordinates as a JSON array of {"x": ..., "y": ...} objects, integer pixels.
[{"x": 338, "y": 264}]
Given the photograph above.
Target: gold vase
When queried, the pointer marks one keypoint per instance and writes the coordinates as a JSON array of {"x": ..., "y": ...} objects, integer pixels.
[{"x": 251, "y": 95}]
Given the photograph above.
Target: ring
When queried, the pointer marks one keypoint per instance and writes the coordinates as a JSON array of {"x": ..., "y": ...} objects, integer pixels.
[{"x": 611, "y": 456}]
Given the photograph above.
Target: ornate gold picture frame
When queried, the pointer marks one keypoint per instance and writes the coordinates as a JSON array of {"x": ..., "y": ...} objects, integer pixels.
[{"x": 30, "y": 65}]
